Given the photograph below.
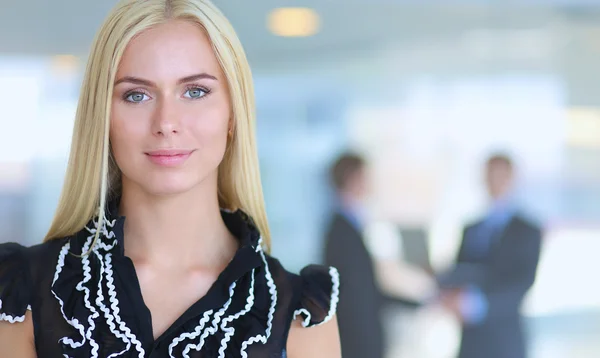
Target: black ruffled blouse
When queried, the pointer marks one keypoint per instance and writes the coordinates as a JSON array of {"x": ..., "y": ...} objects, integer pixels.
[{"x": 91, "y": 305}]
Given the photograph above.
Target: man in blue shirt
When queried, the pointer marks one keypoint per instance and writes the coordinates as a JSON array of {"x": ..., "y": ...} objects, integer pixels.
[{"x": 495, "y": 268}]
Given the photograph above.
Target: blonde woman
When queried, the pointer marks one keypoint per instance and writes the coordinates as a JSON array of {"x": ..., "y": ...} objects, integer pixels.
[{"x": 164, "y": 138}]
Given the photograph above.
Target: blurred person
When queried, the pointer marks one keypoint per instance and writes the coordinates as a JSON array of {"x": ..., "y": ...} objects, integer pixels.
[
  {"x": 495, "y": 268},
  {"x": 164, "y": 135},
  {"x": 369, "y": 273}
]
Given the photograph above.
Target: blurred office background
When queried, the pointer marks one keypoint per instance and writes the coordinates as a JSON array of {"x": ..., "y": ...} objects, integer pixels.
[{"x": 425, "y": 89}]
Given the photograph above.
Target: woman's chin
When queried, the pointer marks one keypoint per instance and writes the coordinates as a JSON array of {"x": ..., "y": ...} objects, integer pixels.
[{"x": 168, "y": 187}]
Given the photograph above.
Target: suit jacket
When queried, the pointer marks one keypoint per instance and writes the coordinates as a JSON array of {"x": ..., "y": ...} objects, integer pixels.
[
  {"x": 504, "y": 274},
  {"x": 360, "y": 302}
]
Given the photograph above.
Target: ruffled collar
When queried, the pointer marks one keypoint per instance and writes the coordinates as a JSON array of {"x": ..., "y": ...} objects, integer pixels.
[{"x": 102, "y": 287}]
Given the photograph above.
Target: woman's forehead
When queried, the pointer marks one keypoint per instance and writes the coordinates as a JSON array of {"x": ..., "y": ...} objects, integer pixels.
[{"x": 168, "y": 52}]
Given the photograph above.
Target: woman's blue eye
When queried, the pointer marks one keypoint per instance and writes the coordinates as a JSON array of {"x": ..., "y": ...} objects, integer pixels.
[
  {"x": 136, "y": 97},
  {"x": 195, "y": 93}
]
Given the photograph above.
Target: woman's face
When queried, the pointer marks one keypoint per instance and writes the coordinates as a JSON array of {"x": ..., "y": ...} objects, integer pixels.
[{"x": 170, "y": 111}]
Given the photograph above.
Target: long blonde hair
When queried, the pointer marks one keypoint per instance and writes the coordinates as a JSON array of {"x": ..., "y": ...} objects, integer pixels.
[{"x": 91, "y": 172}]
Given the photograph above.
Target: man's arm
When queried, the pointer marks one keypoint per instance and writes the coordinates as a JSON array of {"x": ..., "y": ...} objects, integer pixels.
[
  {"x": 465, "y": 272},
  {"x": 398, "y": 280},
  {"x": 403, "y": 283},
  {"x": 500, "y": 293},
  {"x": 506, "y": 289}
]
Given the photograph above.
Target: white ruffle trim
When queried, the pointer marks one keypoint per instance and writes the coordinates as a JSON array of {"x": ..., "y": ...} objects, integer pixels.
[
  {"x": 273, "y": 291},
  {"x": 335, "y": 298},
  {"x": 85, "y": 261},
  {"x": 12, "y": 319},
  {"x": 230, "y": 331},
  {"x": 125, "y": 333},
  {"x": 74, "y": 322},
  {"x": 215, "y": 325}
]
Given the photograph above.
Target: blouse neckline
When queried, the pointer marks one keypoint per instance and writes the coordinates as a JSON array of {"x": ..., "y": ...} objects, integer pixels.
[{"x": 110, "y": 249}]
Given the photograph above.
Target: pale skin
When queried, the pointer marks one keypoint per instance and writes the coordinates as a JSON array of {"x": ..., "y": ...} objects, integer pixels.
[
  {"x": 16, "y": 339},
  {"x": 170, "y": 93}
]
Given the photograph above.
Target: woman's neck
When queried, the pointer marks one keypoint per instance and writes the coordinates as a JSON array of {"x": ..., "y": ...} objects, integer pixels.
[{"x": 183, "y": 230}]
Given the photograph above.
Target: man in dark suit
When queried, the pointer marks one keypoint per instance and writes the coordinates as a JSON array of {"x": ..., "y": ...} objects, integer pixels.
[
  {"x": 361, "y": 330},
  {"x": 368, "y": 280},
  {"x": 495, "y": 268}
]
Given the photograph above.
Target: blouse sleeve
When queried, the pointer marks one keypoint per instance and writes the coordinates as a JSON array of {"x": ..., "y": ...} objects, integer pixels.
[
  {"x": 15, "y": 280},
  {"x": 319, "y": 296}
]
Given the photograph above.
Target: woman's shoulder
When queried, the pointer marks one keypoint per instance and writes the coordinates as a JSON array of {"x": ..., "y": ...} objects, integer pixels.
[
  {"x": 18, "y": 258},
  {"x": 20, "y": 267},
  {"x": 15, "y": 282},
  {"x": 33, "y": 257},
  {"x": 313, "y": 292}
]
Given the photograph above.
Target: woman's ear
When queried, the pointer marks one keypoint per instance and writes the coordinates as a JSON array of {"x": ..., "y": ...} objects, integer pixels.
[{"x": 230, "y": 128}]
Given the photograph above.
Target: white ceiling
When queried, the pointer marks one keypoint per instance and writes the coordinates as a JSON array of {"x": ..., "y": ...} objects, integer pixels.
[
  {"x": 68, "y": 26},
  {"x": 368, "y": 37}
]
